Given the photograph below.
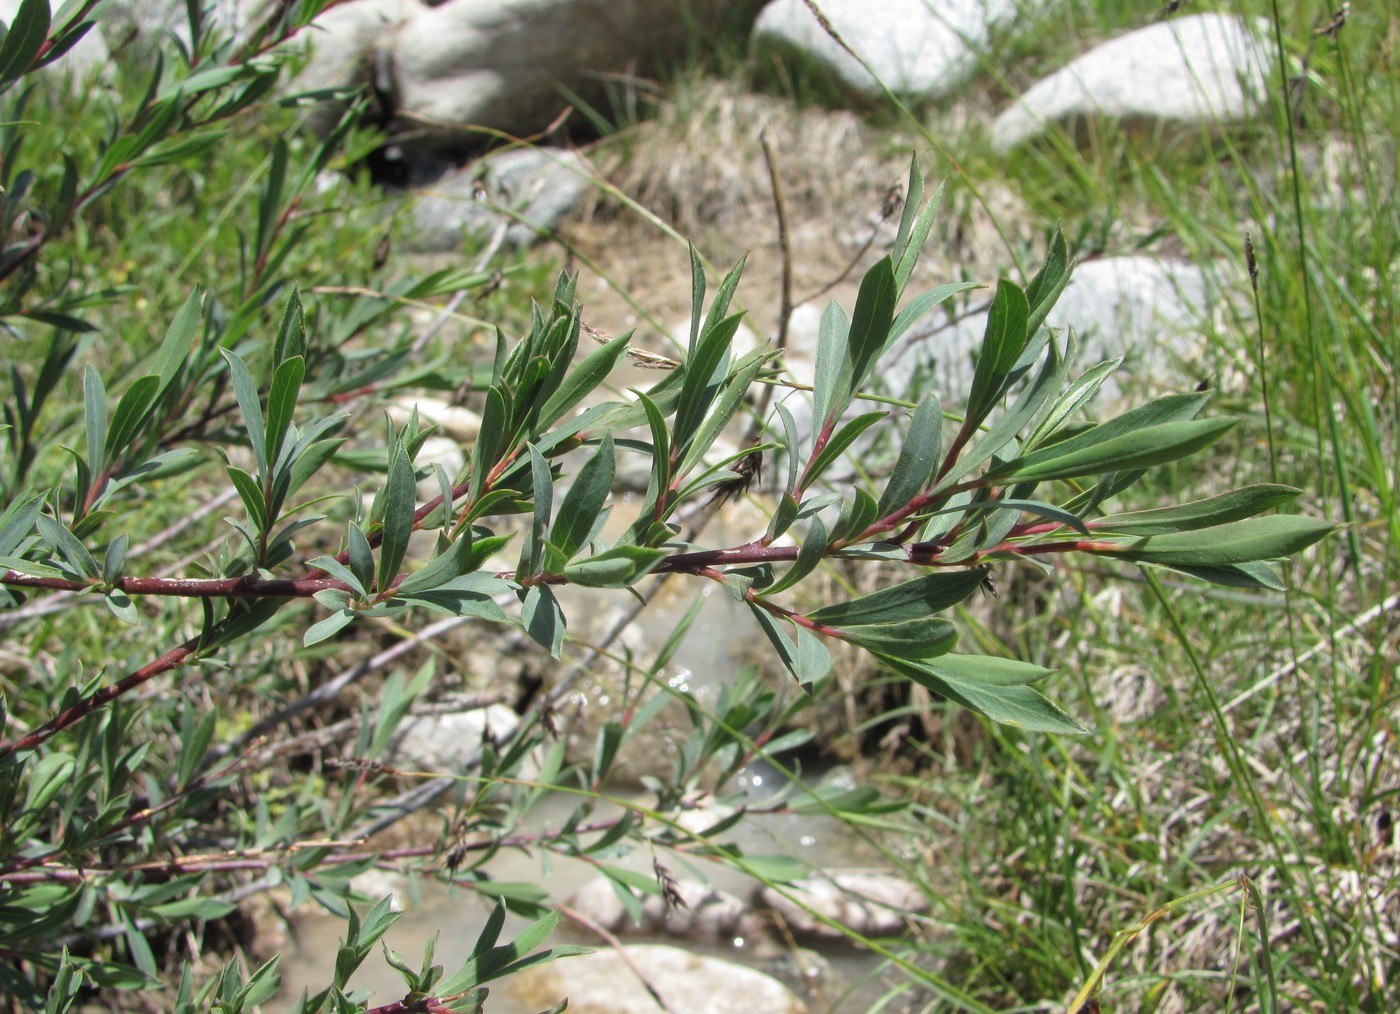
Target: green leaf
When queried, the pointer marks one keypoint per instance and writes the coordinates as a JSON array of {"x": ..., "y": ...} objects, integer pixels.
[
  {"x": 697, "y": 296},
  {"x": 871, "y": 320},
  {"x": 251, "y": 495},
  {"x": 830, "y": 395},
  {"x": 245, "y": 389},
  {"x": 133, "y": 410},
  {"x": 323, "y": 629},
  {"x": 1234, "y": 505},
  {"x": 582, "y": 380},
  {"x": 361, "y": 557},
  {"x": 584, "y": 501},
  {"x": 836, "y": 446},
  {"x": 1153, "y": 445},
  {"x": 1237, "y": 575},
  {"x": 995, "y": 687},
  {"x": 18, "y": 521},
  {"x": 291, "y": 335},
  {"x": 63, "y": 542},
  {"x": 811, "y": 553},
  {"x": 399, "y": 499},
  {"x": 49, "y": 776},
  {"x": 1267, "y": 538},
  {"x": 914, "y": 599},
  {"x": 95, "y": 420},
  {"x": 1079, "y": 392},
  {"x": 1002, "y": 345},
  {"x": 542, "y": 618},
  {"x": 179, "y": 337},
  {"x": 702, "y": 379},
  {"x": 27, "y": 33},
  {"x": 918, "y": 458},
  {"x": 341, "y": 573},
  {"x": 619, "y": 567},
  {"x": 1049, "y": 282},
  {"x": 282, "y": 402},
  {"x": 913, "y": 231},
  {"x": 921, "y": 637}
]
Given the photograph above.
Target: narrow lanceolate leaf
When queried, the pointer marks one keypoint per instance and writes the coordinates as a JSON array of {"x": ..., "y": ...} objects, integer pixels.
[
  {"x": 811, "y": 553},
  {"x": 291, "y": 335},
  {"x": 399, "y": 494},
  {"x": 871, "y": 320},
  {"x": 1237, "y": 575},
  {"x": 282, "y": 402},
  {"x": 133, "y": 410},
  {"x": 451, "y": 563},
  {"x": 829, "y": 393},
  {"x": 18, "y": 521},
  {"x": 994, "y": 687},
  {"x": 697, "y": 297},
  {"x": 921, "y": 637},
  {"x": 323, "y": 629},
  {"x": 95, "y": 419},
  {"x": 251, "y": 495},
  {"x": 179, "y": 337},
  {"x": 1223, "y": 508},
  {"x": 361, "y": 556},
  {"x": 542, "y": 618},
  {"x": 1266, "y": 538},
  {"x": 837, "y": 445},
  {"x": 619, "y": 567},
  {"x": 917, "y": 458},
  {"x": 911, "y": 600},
  {"x": 341, "y": 573},
  {"x": 245, "y": 389},
  {"x": 582, "y": 380},
  {"x": 584, "y": 501},
  {"x": 916, "y": 235},
  {"x": 703, "y": 376},
  {"x": 1154, "y": 445},
  {"x": 1049, "y": 282},
  {"x": 1079, "y": 392},
  {"x": 1002, "y": 344}
]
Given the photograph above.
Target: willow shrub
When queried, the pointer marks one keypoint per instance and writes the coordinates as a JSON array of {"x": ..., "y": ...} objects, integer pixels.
[{"x": 131, "y": 822}]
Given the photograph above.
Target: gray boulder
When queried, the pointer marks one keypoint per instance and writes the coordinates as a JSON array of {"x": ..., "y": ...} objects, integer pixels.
[
  {"x": 605, "y": 983},
  {"x": 915, "y": 47},
  {"x": 1205, "y": 69},
  {"x": 510, "y": 65},
  {"x": 527, "y": 191}
]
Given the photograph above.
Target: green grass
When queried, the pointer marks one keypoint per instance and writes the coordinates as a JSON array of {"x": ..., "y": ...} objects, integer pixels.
[{"x": 1229, "y": 738}]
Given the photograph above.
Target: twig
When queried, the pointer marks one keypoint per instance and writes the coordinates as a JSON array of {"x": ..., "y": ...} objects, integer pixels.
[{"x": 621, "y": 950}]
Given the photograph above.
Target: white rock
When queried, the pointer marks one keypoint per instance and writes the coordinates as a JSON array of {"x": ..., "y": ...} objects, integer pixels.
[
  {"x": 872, "y": 904},
  {"x": 528, "y": 191},
  {"x": 915, "y": 47},
  {"x": 1140, "y": 307},
  {"x": 345, "y": 45},
  {"x": 603, "y": 983},
  {"x": 1202, "y": 69},
  {"x": 447, "y": 743}
]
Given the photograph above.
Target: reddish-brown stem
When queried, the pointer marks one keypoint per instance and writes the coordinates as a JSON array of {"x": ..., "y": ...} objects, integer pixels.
[
  {"x": 246, "y": 587},
  {"x": 172, "y": 659}
]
